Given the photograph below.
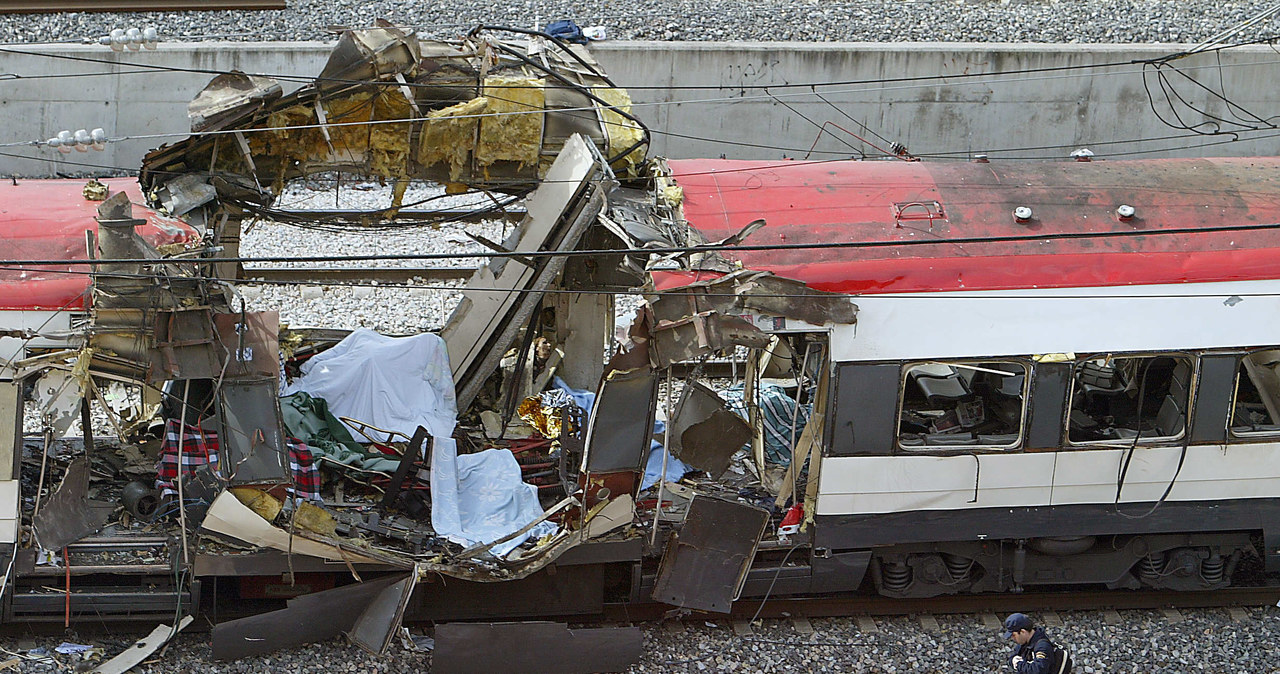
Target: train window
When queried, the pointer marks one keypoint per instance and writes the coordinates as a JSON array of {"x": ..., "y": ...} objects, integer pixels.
[
  {"x": 1256, "y": 409},
  {"x": 1119, "y": 398},
  {"x": 962, "y": 404}
]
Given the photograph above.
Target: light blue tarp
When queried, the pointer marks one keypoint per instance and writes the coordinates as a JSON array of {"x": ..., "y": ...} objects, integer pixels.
[
  {"x": 479, "y": 498},
  {"x": 653, "y": 466}
]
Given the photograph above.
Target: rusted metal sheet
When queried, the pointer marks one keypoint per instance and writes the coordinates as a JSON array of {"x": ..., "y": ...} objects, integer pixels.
[
  {"x": 316, "y": 617},
  {"x": 252, "y": 439},
  {"x": 250, "y": 343},
  {"x": 185, "y": 345},
  {"x": 706, "y": 562},
  {"x": 620, "y": 429},
  {"x": 704, "y": 432},
  {"x": 534, "y": 648},
  {"x": 69, "y": 515}
]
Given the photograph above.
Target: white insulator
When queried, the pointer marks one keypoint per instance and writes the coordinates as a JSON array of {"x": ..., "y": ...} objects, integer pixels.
[
  {"x": 99, "y": 138},
  {"x": 150, "y": 36},
  {"x": 65, "y": 141},
  {"x": 117, "y": 39},
  {"x": 83, "y": 140},
  {"x": 53, "y": 142},
  {"x": 133, "y": 39}
]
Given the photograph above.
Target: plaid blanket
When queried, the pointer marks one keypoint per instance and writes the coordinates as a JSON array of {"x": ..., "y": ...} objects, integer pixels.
[{"x": 200, "y": 447}]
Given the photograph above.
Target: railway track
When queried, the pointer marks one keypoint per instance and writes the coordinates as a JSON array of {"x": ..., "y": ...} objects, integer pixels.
[
  {"x": 321, "y": 275},
  {"x": 48, "y": 6},
  {"x": 998, "y": 604}
]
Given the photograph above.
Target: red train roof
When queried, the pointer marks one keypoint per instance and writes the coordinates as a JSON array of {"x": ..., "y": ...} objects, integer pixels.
[
  {"x": 47, "y": 220},
  {"x": 1073, "y": 239}
]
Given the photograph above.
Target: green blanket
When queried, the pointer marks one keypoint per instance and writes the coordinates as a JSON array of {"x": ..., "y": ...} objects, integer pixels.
[{"x": 309, "y": 420}]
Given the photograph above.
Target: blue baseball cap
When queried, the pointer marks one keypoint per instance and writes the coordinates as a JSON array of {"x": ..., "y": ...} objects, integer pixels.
[{"x": 1015, "y": 622}]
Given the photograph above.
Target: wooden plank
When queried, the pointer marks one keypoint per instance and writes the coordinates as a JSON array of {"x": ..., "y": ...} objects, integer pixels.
[{"x": 44, "y": 6}]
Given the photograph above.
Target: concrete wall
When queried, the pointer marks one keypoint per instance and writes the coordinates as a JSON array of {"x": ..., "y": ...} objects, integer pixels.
[{"x": 742, "y": 100}]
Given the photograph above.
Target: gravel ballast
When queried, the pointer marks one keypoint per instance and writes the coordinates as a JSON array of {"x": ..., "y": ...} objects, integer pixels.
[
  {"x": 1101, "y": 21},
  {"x": 1199, "y": 640}
]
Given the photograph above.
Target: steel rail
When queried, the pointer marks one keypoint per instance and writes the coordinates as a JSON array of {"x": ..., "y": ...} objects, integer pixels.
[
  {"x": 321, "y": 275},
  {"x": 357, "y": 218},
  {"x": 49, "y": 6}
]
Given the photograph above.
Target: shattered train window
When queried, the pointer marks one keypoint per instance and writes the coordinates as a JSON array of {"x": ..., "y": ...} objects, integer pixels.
[
  {"x": 969, "y": 404},
  {"x": 1256, "y": 408},
  {"x": 1120, "y": 398}
]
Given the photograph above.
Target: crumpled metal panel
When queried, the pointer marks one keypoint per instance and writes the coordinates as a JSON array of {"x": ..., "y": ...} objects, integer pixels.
[
  {"x": 534, "y": 648},
  {"x": 704, "y": 432},
  {"x": 756, "y": 291},
  {"x": 228, "y": 98},
  {"x": 706, "y": 562},
  {"x": 621, "y": 424},
  {"x": 700, "y": 334},
  {"x": 370, "y": 54},
  {"x": 68, "y": 515},
  {"x": 317, "y": 617},
  {"x": 184, "y": 346}
]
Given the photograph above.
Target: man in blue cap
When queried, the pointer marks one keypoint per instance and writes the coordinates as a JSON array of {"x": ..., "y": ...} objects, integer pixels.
[{"x": 1035, "y": 653}]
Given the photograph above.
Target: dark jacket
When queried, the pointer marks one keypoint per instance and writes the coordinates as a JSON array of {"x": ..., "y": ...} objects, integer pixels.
[{"x": 1037, "y": 655}]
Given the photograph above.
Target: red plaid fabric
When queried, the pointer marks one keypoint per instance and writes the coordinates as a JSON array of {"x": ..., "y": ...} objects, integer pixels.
[
  {"x": 199, "y": 448},
  {"x": 306, "y": 475}
]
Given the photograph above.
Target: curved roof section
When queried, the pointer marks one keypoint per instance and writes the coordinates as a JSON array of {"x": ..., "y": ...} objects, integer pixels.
[
  {"x": 47, "y": 220},
  {"x": 896, "y": 226}
]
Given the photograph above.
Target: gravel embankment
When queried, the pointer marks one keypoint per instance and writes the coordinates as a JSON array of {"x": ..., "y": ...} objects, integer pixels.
[
  {"x": 1205, "y": 640},
  {"x": 1121, "y": 21}
]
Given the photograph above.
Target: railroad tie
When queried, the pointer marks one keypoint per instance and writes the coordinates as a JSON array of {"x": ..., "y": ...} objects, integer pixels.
[
  {"x": 929, "y": 623},
  {"x": 1051, "y": 619},
  {"x": 1172, "y": 615},
  {"x": 742, "y": 628},
  {"x": 801, "y": 625},
  {"x": 1112, "y": 617},
  {"x": 867, "y": 624},
  {"x": 1238, "y": 614},
  {"x": 991, "y": 622}
]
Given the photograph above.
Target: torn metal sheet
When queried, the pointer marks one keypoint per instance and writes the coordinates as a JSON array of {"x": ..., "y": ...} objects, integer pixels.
[
  {"x": 705, "y": 433},
  {"x": 230, "y": 97},
  {"x": 700, "y": 334},
  {"x": 253, "y": 448},
  {"x": 310, "y": 618},
  {"x": 706, "y": 562},
  {"x": 229, "y": 517},
  {"x": 250, "y": 342},
  {"x": 501, "y": 296},
  {"x": 58, "y": 395},
  {"x": 185, "y": 193},
  {"x": 370, "y": 54},
  {"x": 377, "y": 624},
  {"x": 142, "y": 649},
  {"x": 69, "y": 515},
  {"x": 534, "y": 648},
  {"x": 749, "y": 290},
  {"x": 620, "y": 430}
]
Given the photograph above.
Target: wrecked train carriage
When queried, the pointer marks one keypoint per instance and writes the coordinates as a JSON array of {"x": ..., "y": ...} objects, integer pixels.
[{"x": 1060, "y": 372}]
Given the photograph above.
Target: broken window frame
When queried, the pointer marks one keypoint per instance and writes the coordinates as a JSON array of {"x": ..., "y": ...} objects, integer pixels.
[
  {"x": 977, "y": 365},
  {"x": 1238, "y": 433},
  {"x": 1147, "y": 415}
]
